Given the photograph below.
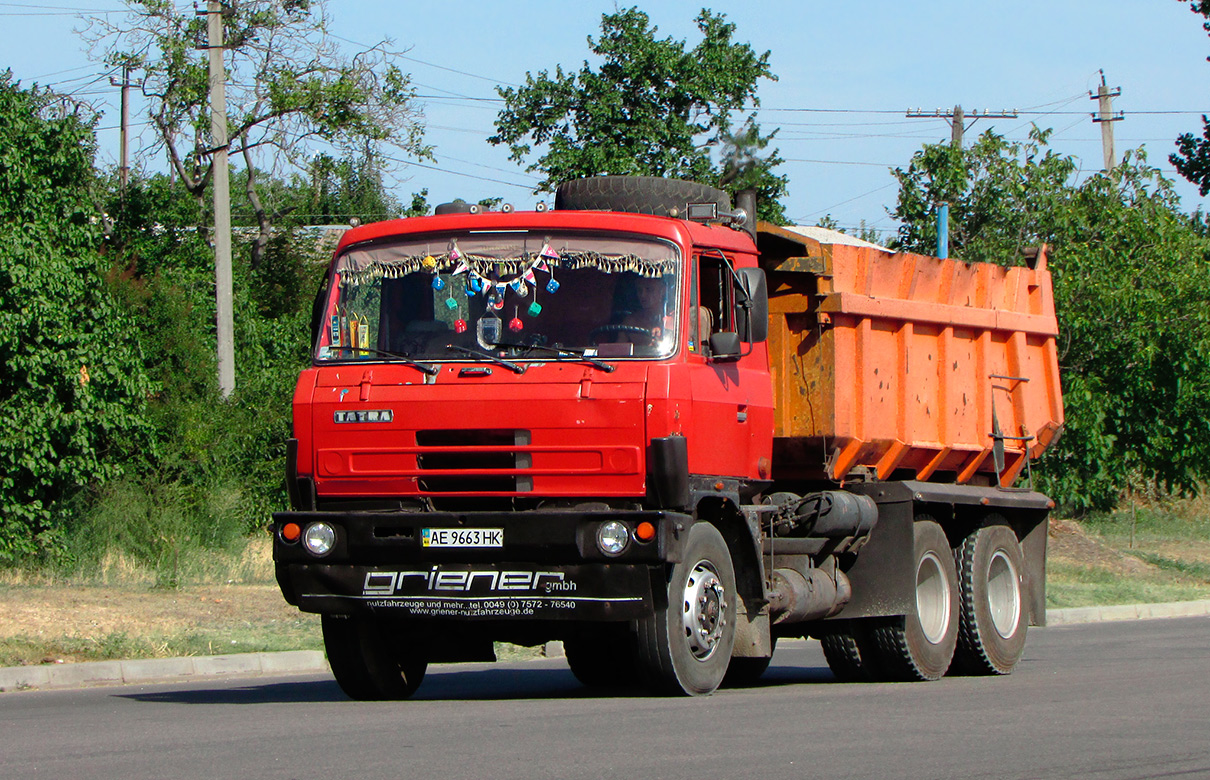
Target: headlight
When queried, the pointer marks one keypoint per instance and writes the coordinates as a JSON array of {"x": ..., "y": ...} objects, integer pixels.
[
  {"x": 612, "y": 537},
  {"x": 319, "y": 538}
]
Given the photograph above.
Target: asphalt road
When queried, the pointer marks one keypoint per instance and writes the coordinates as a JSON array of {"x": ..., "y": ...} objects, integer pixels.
[{"x": 1108, "y": 701}]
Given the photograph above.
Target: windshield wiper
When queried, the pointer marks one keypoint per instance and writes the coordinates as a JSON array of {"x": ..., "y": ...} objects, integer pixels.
[
  {"x": 563, "y": 351},
  {"x": 424, "y": 368},
  {"x": 511, "y": 366}
]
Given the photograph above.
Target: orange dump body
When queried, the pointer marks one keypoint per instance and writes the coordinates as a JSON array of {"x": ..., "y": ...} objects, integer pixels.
[{"x": 907, "y": 366}]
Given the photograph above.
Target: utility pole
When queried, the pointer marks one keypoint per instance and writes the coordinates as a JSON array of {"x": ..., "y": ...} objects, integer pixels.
[
  {"x": 1104, "y": 97},
  {"x": 957, "y": 119},
  {"x": 124, "y": 131},
  {"x": 222, "y": 200}
]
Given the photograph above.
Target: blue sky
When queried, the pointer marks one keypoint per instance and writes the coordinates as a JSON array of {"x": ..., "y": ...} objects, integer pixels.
[{"x": 847, "y": 72}]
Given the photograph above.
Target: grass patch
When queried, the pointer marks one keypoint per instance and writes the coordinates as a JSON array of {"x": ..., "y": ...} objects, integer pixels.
[
  {"x": 24, "y": 649},
  {"x": 1151, "y": 552},
  {"x": 1077, "y": 585}
]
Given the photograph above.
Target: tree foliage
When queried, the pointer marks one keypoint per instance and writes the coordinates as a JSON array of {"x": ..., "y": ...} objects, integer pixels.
[
  {"x": 289, "y": 85},
  {"x": 72, "y": 385},
  {"x": 1192, "y": 158},
  {"x": 1132, "y": 290},
  {"x": 651, "y": 108}
]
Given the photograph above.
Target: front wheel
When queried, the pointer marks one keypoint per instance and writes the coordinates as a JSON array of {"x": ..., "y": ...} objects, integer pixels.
[
  {"x": 602, "y": 655},
  {"x": 372, "y": 660},
  {"x": 994, "y": 620},
  {"x": 685, "y": 647}
]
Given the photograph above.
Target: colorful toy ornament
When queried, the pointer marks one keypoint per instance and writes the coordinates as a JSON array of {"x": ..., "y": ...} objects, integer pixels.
[
  {"x": 552, "y": 286},
  {"x": 438, "y": 283},
  {"x": 451, "y": 304},
  {"x": 535, "y": 309},
  {"x": 460, "y": 325}
]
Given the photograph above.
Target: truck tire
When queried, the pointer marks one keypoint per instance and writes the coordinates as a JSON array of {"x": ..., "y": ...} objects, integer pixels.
[
  {"x": 637, "y": 195},
  {"x": 920, "y": 645},
  {"x": 744, "y": 672},
  {"x": 370, "y": 662},
  {"x": 847, "y": 651},
  {"x": 685, "y": 647},
  {"x": 991, "y": 634},
  {"x": 602, "y": 655}
]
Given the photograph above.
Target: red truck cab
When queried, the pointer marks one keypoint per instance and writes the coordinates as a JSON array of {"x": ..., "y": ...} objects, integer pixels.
[{"x": 506, "y": 423}]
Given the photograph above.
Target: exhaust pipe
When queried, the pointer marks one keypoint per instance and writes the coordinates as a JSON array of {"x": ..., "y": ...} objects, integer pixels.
[
  {"x": 745, "y": 200},
  {"x": 798, "y": 597}
]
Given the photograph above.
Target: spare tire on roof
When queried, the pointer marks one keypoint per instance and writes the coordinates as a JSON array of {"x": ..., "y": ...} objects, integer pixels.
[{"x": 637, "y": 195}]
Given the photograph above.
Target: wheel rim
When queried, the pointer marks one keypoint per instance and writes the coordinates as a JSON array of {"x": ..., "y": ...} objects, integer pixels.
[
  {"x": 932, "y": 598},
  {"x": 1003, "y": 594},
  {"x": 704, "y": 610}
]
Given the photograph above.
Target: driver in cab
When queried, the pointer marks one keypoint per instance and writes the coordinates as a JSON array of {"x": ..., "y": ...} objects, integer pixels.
[{"x": 645, "y": 325}]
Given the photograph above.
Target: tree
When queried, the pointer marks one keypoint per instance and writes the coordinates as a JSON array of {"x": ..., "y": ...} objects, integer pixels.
[
  {"x": 651, "y": 108},
  {"x": 72, "y": 385},
  {"x": 1192, "y": 159},
  {"x": 289, "y": 85},
  {"x": 1132, "y": 291}
]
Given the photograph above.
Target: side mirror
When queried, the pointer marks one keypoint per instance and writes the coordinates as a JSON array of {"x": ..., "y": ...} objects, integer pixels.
[
  {"x": 754, "y": 303},
  {"x": 725, "y": 346}
]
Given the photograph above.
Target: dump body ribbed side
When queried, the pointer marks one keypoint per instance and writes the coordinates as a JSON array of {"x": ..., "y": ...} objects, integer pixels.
[{"x": 897, "y": 363}]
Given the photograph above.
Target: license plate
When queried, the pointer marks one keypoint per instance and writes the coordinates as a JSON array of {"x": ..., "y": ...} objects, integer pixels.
[{"x": 462, "y": 537}]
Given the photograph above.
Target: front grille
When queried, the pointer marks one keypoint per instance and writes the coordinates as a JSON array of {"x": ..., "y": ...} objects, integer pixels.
[{"x": 479, "y": 454}]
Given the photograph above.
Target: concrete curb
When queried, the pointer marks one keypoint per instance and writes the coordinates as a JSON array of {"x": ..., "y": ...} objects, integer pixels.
[
  {"x": 80, "y": 675},
  {"x": 1175, "y": 609},
  {"x": 159, "y": 670}
]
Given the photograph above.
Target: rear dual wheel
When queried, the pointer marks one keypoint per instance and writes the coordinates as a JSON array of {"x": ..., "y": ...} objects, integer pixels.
[
  {"x": 994, "y": 618},
  {"x": 849, "y": 651},
  {"x": 373, "y": 659},
  {"x": 920, "y": 645}
]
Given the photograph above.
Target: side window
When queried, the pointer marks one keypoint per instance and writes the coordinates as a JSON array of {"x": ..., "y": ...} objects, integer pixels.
[{"x": 716, "y": 298}]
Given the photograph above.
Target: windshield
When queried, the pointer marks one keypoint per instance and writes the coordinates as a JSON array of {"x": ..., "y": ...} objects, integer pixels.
[{"x": 511, "y": 293}]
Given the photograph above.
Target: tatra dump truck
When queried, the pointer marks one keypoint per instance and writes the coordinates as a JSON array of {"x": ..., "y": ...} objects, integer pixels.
[{"x": 645, "y": 427}]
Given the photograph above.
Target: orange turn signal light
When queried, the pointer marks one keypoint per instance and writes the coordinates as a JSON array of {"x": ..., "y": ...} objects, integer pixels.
[
  {"x": 644, "y": 531},
  {"x": 290, "y": 532}
]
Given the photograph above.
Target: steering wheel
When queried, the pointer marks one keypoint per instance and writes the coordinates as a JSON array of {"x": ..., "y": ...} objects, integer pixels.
[{"x": 595, "y": 334}]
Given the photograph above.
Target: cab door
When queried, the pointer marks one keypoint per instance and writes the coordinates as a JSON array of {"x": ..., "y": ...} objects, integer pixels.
[{"x": 731, "y": 423}]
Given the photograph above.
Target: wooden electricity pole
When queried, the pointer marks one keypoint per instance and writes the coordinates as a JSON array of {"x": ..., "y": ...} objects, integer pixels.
[
  {"x": 957, "y": 119},
  {"x": 222, "y": 201},
  {"x": 124, "y": 129},
  {"x": 1104, "y": 97}
]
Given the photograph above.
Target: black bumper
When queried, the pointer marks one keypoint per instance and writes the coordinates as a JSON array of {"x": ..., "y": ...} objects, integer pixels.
[{"x": 548, "y": 566}]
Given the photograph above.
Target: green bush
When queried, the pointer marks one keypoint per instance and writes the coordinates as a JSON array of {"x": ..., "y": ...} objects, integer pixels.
[{"x": 72, "y": 383}]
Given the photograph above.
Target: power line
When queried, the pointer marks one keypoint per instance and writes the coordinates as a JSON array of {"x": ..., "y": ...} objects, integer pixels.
[
  {"x": 458, "y": 173},
  {"x": 843, "y": 202}
]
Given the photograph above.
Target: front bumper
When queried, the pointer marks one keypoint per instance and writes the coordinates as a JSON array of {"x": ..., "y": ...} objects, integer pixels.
[{"x": 548, "y": 566}]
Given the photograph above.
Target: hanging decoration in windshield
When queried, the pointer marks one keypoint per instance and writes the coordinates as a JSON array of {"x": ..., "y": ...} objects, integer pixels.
[{"x": 500, "y": 272}]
